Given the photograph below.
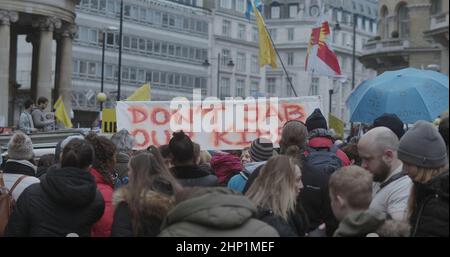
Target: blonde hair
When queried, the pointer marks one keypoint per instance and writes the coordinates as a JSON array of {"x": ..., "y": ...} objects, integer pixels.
[
  {"x": 354, "y": 184},
  {"x": 423, "y": 176},
  {"x": 276, "y": 187},
  {"x": 205, "y": 157}
]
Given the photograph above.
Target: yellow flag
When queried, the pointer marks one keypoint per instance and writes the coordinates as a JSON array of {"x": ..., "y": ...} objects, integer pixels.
[
  {"x": 61, "y": 113},
  {"x": 267, "y": 53},
  {"x": 141, "y": 94},
  {"x": 336, "y": 124}
]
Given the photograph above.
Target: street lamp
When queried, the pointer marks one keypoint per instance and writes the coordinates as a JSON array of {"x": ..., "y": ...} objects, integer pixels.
[
  {"x": 104, "y": 31},
  {"x": 331, "y": 91},
  {"x": 337, "y": 27},
  {"x": 119, "y": 76},
  {"x": 230, "y": 64}
]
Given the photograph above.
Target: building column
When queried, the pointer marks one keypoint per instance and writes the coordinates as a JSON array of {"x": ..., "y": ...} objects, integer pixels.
[
  {"x": 33, "y": 38},
  {"x": 13, "y": 77},
  {"x": 44, "y": 74},
  {"x": 65, "y": 68},
  {"x": 6, "y": 17}
]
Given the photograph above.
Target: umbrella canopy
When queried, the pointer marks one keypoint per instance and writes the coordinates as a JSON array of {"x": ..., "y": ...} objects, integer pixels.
[{"x": 410, "y": 93}]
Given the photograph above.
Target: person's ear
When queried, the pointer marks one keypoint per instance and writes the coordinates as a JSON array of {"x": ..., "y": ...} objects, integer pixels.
[
  {"x": 388, "y": 155},
  {"x": 341, "y": 201}
]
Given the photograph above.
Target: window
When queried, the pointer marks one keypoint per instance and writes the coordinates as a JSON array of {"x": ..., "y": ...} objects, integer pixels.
[
  {"x": 93, "y": 36},
  {"x": 384, "y": 22},
  {"x": 293, "y": 10},
  {"x": 226, "y": 28},
  {"x": 242, "y": 31},
  {"x": 148, "y": 76},
  {"x": 289, "y": 91},
  {"x": 436, "y": 7},
  {"x": 315, "y": 86},
  {"x": 241, "y": 61},
  {"x": 240, "y": 6},
  {"x": 225, "y": 4},
  {"x": 225, "y": 88},
  {"x": 83, "y": 67},
  {"x": 133, "y": 75},
  {"x": 141, "y": 75},
  {"x": 240, "y": 88},
  {"x": 142, "y": 44},
  {"x": 254, "y": 34},
  {"x": 291, "y": 34},
  {"x": 403, "y": 21},
  {"x": 271, "y": 86},
  {"x": 126, "y": 42},
  {"x": 226, "y": 56},
  {"x": 344, "y": 39},
  {"x": 110, "y": 38},
  {"x": 134, "y": 43},
  {"x": 275, "y": 12},
  {"x": 273, "y": 34},
  {"x": 109, "y": 71},
  {"x": 290, "y": 58},
  {"x": 254, "y": 64},
  {"x": 254, "y": 88}
]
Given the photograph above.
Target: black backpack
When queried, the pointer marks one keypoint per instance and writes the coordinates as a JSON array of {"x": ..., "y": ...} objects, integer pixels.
[{"x": 323, "y": 159}]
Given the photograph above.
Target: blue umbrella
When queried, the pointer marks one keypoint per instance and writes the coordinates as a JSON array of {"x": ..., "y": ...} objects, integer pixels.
[{"x": 410, "y": 93}]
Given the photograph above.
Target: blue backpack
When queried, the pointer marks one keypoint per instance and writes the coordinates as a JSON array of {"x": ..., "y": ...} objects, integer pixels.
[{"x": 323, "y": 159}]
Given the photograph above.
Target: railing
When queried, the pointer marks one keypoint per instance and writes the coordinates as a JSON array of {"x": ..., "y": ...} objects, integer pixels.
[
  {"x": 386, "y": 45},
  {"x": 439, "y": 21}
]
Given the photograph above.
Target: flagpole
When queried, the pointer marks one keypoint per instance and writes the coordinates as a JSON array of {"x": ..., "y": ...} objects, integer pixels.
[
  {"x": 281, "y": 61},
  {"x": 276, "y": 50}
]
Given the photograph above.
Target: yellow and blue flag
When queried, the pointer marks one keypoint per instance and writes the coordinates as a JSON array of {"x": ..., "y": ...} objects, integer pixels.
[{"x": 258, "y": 5}]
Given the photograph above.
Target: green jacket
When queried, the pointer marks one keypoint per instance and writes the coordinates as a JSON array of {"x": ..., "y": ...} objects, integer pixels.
[
  {"x": 215, "y": 212},
  {"x": 363, "y": 223}
]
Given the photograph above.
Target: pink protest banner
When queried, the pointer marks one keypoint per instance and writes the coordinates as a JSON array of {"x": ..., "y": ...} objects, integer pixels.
[{"x": 215, "y": 125}]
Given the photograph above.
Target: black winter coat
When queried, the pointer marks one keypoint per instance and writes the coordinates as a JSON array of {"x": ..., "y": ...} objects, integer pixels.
[
  {"x": 295, "y": 225},
  {"x": 314, "y": 198},
  {"x": 193, "y": 175},
  {"x": 66, "y": 201},
  {"x": 155, "y": 206},
  {"x": 430, "y": 212}
]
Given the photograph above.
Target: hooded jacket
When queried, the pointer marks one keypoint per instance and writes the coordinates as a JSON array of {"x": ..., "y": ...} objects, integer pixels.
[
  {"x": 193, "y": 175},
  {"x": 363, "y": 223},
  {"x": 430, "y": 213},
  {"x": 225, "y": 166},
  {"x": 215, "y": 212},
  {"x": 13, "y": 170},
  {"x": 66, "y": 201},
  {"x": 155, "y": 207},
  {"x": 320, "y": 138},
  {"x": 103, "y": 227},
  {"x": 238, "y": 181}
]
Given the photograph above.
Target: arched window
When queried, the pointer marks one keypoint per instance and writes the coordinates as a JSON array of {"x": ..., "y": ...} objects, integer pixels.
[
  {"x": 436, "y": 7},
  {"x": 403, "y": 20},
  {"x": 384, "y": 24},
  {"x": 275, "y": 10}
]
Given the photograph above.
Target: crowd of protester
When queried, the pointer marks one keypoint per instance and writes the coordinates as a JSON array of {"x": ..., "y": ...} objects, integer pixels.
[{"x": 387, "y": 182}]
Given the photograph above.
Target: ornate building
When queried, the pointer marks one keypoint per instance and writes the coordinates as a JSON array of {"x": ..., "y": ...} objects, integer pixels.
[
  {"x": 290, "y": 23},
  {"x": 42, "y": 22},
  {"x": 411, "y": 33}
]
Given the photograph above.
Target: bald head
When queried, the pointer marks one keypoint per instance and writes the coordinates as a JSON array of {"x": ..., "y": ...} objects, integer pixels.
[
  {"x": 378, "y": 152},
  {"x": 380, "y": 139}
]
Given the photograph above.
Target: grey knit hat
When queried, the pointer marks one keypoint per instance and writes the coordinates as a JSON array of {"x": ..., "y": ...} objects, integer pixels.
[
  {"x": 261, "y": 149},
  {"x": 423, "y": 146},
  {"x": 20, "y": 147}
]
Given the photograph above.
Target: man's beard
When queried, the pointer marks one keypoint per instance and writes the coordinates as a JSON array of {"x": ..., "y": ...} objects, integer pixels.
[{"x": 383, "y": 173}]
